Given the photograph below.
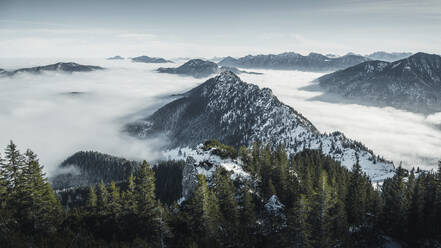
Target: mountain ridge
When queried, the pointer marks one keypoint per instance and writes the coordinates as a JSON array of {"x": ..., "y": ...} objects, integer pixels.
[
  {"x": 412, "y": 84},
  {"x": 237, "y": 113},
  {"x": 294, "y": 61},
  {"x": 147, "y": 59},
  {"x": 388, "y": 56}
]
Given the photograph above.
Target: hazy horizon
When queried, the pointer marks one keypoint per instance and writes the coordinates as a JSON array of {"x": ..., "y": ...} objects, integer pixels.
[{"x": 196, "y": 28}]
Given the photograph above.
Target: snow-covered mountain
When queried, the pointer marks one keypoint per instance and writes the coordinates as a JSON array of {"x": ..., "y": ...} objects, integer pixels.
[
  {"x": 390, "y": 57},
  {"x": 412, "y": 84},
  {"x": 237, "y": 113},
  {"x": 199, "y": 68},
  {"x": 147, "y": 59},
  {"x": 62, "y": 67},
  {"x": 295, "y": 61}
]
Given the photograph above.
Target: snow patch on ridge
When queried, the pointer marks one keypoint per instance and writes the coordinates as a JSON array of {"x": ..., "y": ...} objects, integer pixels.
[{"x": 206, "y": 163}]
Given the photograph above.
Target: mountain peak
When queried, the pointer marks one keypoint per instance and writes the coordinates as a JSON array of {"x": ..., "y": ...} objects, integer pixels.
[
  {"x": 421, "y": 54},
  {"x": 238, "y": 113},
  {"x": 424, "y": 56},
  {"x": 228, "y": 76}
]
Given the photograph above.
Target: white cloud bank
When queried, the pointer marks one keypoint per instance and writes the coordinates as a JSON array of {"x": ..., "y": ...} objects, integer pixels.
[{"x": 38, "y": 112}]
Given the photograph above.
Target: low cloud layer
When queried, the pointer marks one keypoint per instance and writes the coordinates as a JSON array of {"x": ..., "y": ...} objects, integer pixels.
[
  {"x": 413, "y": 139},
  {"x": 57, "y": 114}
]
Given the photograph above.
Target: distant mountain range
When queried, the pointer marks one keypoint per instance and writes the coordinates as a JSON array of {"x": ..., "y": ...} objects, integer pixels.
[
  {"x": 63, "y": 67},
  {"x": 199, "y": 68},
  {"x": 147, "y": 59},
  {"x": 412, "y": 84},
  {"x": 237, "y": 113},
  {"x": 196, "y": 67},
  {"x": 389, "y": 57},
  {"x": 294, "y": 61},
  {"x": 117, "y": 57}
]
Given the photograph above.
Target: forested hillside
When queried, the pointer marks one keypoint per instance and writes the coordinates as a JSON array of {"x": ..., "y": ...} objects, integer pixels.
[{"x": 306, "y": 200}]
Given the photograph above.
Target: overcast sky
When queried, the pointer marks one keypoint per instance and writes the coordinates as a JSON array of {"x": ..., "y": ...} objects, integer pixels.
[{"x": 97, "y": 28}]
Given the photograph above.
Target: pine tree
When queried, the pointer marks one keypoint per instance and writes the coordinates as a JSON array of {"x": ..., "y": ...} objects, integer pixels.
[
  {"x": 338, "y": 224},
  {"x": 37, "y": 208},
  {"x": 92, "y": 200},
  {"x": 145, "y": 190},
  {"x": 293, "y": 187},
  {"x": 129, "y": 202},
  {"x": 114, "y": 200},
  {"x": 213, "y": 216},
  {"x": 282, "y": 173},
  {"x": 271, "y": 190},
  {"x": 322, "y": 204},
  {"x": 416, "y": 210},
  {"x": 147, "y": 208},
  {"x": 394, "y": 197},
  {"x": 299, "y": 229},
  {"x": 103, "y": 199},
  {"x": 247, "y": 163},
  {"x": 256, "y": 166},
  {"x": 3, "y": 190},
  {"x": 197, "y": 209},
  {"x": 129, "y": 218},
  {"x": 12, "y": 167},
  {"x": 224, "y": 191},
  {"x": 356, "y": 197},
  {"x": 247, "y": 218},
  {"x": 437, "y": 187}
]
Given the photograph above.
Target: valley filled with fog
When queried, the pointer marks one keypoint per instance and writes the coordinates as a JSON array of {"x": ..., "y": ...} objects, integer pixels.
[{"x": 58, "y": 114}]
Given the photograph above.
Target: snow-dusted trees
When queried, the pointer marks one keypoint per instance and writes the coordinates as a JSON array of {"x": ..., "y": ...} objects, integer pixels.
[{"x": 304, "y": 200}]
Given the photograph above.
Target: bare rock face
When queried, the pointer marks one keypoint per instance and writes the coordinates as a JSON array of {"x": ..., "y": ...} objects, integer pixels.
[{"x": 189, "y": 178}]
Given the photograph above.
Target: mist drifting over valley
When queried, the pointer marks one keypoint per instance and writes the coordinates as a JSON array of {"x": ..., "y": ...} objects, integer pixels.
[{"x": 57, "y": 114}]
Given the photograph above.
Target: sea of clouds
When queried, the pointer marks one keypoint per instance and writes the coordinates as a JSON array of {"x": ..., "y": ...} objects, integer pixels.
[{"x": 58, "y": 114}]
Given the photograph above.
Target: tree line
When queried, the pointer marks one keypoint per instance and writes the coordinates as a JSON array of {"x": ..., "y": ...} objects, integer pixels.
[{"x": 302, "y": 200}]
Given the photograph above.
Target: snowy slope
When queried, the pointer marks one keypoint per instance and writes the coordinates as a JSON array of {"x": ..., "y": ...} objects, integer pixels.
[
  {"x": 237, "y": 113},
  {"x": 200, "y": 161}
]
